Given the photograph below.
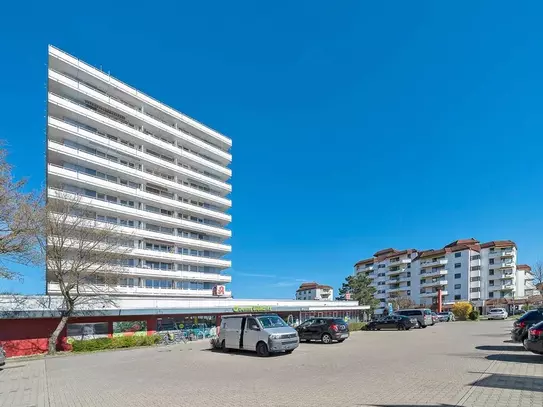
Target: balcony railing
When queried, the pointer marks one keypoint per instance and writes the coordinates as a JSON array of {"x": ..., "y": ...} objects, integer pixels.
[
  {"x": 134, "y": 128},
  {"x": 79, "y": 82},
  {"x": 428, "y": 273},
  {"x": 145, "y": 174},
  {"x": 431, "y": 263},
  {"x": 65, "y": 191}
]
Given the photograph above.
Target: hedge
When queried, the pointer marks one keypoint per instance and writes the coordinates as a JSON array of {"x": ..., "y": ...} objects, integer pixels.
[
  {"x": 117, "y": 342},
  {"x": 357, "y": 326}
]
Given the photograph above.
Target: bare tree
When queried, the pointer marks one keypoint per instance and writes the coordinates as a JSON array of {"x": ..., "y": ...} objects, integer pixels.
[
  {"x": 83, "y": 256},
  {"x": 18, "y": 221},
  {"x": 537, "y": 272},
  {"x": 400, "y": 302}
]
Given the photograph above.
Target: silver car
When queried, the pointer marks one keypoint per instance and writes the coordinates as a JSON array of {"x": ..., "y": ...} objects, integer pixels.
[
  {"x": 263, "y": 334},
  {"x": 2, "y": 356}
]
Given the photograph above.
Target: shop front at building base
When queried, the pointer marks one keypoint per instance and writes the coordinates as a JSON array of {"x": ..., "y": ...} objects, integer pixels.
[{"x": 27, "y": 324}]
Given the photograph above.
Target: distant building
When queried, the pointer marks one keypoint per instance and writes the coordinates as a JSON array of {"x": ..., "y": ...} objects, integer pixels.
[
  {"x": 463, "y": 270},
  {"x": 315, "y": 291}
]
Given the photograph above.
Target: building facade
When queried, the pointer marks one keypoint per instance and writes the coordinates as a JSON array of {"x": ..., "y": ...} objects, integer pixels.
[
  {"x": 464, "y": 270},
  {"x": 314, "y": 291},
  {"x": 160, "y": 176}
]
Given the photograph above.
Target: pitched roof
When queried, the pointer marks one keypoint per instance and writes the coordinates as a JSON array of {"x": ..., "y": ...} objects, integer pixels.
[
  {"x": 470, "y": 241},
  {"x": 365, "y": 261},
  {"x": 390, "y": 250},
  {"x": 311, "y": 286},
  {"x": 524, "y": 267},
  {"x": 498, "y": 243}
]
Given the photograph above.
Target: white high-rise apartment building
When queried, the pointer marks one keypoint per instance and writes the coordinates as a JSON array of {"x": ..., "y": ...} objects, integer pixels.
[
  {"x": 464, "y": 270},
  {"x": 146, "y": 167}
]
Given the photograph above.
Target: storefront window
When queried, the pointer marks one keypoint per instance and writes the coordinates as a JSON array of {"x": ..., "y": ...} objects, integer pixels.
[{"x": 196, "y": 327}]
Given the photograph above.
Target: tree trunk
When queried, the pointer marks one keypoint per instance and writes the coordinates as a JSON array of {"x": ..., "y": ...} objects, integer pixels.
[{"x": 52, "y": 348}]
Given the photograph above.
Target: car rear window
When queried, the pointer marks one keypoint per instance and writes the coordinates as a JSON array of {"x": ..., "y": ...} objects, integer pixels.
[
  {"x": 339, "y": 321},
  {"x": 533, "y": 314},
  {"x": 412, "y": 312}
]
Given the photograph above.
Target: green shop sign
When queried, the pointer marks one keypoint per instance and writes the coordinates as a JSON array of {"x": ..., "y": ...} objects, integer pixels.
[{"x": 252, "y": 309}]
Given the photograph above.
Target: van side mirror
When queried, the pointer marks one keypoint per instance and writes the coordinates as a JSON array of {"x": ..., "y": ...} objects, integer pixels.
[{"x": 254, "y": 327}]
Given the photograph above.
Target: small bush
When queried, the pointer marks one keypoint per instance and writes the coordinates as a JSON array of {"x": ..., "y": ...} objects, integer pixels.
[
  {"x": 357, "y": 326},
  {"x": 474, "y": 315},
  {"x": 117, "y": 342},
  {"x": 461, "y": 310}
]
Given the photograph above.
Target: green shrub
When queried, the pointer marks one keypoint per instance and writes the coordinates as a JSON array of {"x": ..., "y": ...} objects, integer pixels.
[
  {"x": 116, "y": 342},
  {"x": 474, "y": 315},
  {"x": 357, "y": 326}
]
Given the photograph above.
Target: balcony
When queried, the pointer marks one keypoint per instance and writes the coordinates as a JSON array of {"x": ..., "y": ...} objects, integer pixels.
[
  {"x": 430, "y": 273},
  {"x": 53, "y": 288},
  {"x": 501, "y": 253},
  {"x": 371, "y": 275},
  {"x": 138, "y": 214},
  {"x": 68, "y": 153},
  {"x": 433, "y": 294},
  {"x": 507, "y": 275},
  {"x": 396, "y": 280},
  {"x": 364, "y": 269},
  {"x": 119, "y": 87},
  {"x": 396, "y": 261},
  {"x": 190, "y": 191},
  {"x": 504, "y": 265},
  {"x": 398, "y": 289},
  {"x": 433, "y": 263},
  {"x": 183, "y": 258},
  {"x": 394, "y": 272},
  {"x": 69, "y": 176},
  {"x": 77, "y": 88},
  {"x": 177, "y": 275},
  {"x": 60, "y": 106},
  {"x": 502, "y": 287},
  {"x": 434, "y": 283}
]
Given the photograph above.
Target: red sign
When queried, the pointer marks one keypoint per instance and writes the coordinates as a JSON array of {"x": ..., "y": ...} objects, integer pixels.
[
  {"x": 218, "y": 290},
  {"x": 347, "y": 296}
]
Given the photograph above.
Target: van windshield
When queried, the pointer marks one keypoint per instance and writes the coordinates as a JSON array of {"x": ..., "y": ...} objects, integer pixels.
[{"x": 272, "y": 322}]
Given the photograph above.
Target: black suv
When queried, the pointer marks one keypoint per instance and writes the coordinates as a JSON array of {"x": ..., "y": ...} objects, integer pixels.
[
  {"x": 399, "y": 322},
  {"x": 524, "y": 323},
  {"x": 323, "y": 329}
]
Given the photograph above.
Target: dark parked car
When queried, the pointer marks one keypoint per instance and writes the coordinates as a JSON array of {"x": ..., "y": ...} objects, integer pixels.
[
  {"x": 534, "y": 342},
  {"x": 399, "y": 322},
  {"x": 524, "y": 323},
  {"x": 323, "y": 329}
]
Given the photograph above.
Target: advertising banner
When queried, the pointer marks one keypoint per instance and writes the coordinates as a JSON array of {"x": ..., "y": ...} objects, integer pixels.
[{"x": 128, "y": 328}]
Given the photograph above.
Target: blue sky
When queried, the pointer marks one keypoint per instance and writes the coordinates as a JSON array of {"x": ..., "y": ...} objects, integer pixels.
[{"x": 355, "y": 125}]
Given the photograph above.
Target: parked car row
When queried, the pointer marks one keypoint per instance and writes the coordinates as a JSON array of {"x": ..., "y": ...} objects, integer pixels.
[
  {"x": 268, "y": 334},
  {"x": 528, "y": 330},
  {"x": 410, "y": 318}
]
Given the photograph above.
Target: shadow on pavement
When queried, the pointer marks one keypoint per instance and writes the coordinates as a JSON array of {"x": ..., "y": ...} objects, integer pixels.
[
  {"x": 406, "y": 405},
  {"x": 506, "y": 348},
  {"x": 502, "y": 381},
  {"x": 518, "y": 358},
  {"x": 236, "y": 352}
]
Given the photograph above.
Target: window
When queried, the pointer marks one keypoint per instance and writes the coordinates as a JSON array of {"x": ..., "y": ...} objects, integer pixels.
[
  {"x": 475, "y": 279},
  {"x": 458, "y": 254},
  {"x": 491, "y": 283},
  {"x": 457, "y": 265},
  {"x": 476, "y": 257},
  {"x": 473, "y": 268},
  {"x": 457, "y": 286},
  {"x": 457, "y": 297},
  {"x": 475, "y": 289},
  {"x": 491, "y": 294},
  {"x": 409, "y": 283},
  {"x": 491, "y": 272},
  {"x": 490, "y": 261},
  {"x": 457, "y": 275}
]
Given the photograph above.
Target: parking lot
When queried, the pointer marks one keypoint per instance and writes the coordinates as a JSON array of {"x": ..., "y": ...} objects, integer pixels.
[{"x": 460, "y": 363}]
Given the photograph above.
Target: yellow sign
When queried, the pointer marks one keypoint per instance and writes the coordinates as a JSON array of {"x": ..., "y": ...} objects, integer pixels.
[{"x": 252, "y": 309}]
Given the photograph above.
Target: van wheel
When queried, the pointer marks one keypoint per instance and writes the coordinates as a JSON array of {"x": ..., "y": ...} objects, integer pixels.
[
  {"x": 326, "y": 338},
  {"x": 223, "y": 346},
  {"x": 262, "y": 349},
  {"x": 423, "y": 326}
]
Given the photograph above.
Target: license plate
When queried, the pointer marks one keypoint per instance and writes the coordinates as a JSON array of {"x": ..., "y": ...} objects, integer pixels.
[{"x": 345, "y": 335}]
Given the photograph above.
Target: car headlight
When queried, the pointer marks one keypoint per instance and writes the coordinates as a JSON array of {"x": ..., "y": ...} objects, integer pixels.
[{"x": 275, "y": 336}]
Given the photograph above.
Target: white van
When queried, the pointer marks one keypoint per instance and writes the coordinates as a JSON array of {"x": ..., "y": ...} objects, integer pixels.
[{"x": 263, "y": 334}]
